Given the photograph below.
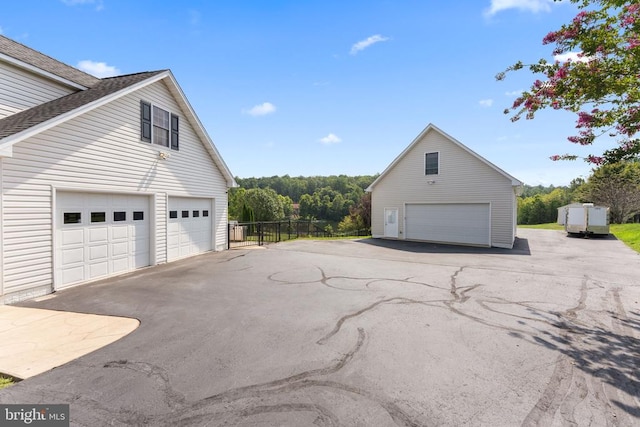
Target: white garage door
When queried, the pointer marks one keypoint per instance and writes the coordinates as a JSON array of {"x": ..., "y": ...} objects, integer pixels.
[
  {"x": 190, "y": 230},
  {"x": 100, "y": 235},
  {"x": 449, "y": 223}
]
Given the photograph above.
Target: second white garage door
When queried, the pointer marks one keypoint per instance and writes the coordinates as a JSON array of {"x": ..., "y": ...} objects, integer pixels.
[
  {"x": 190, "y": 229},
  {"x": 462, "y": 223}
]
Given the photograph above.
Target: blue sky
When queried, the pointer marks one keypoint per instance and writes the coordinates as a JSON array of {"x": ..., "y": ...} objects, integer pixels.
[{"x": 327, "y": 87}]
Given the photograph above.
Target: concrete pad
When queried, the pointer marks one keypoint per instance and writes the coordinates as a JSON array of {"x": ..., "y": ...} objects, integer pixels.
[{"x": 36, "y": 340}]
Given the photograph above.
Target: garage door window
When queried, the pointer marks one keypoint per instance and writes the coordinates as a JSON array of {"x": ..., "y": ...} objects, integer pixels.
[
  {"x": 119, "y": 216},
  {"x": 431, "y": 163},
  {"x": 98, "y": 217},
  {"x": 173, "y": 214},
  {"x": 185, "y": 214},
  {"x": 72, "y": 217},
  {"x": 205, "y": 213},
  {"x": 138, "y": 216}
]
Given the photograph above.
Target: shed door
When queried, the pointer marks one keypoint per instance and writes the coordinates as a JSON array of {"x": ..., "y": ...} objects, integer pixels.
[
  {"x": 462, "y": 223},
  {"x": 390, "y": 222},
  {"x": 190, "y": 227},
  {"x": 100, "y": 235}
]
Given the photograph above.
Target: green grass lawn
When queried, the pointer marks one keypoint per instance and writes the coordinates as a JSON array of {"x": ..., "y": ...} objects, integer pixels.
[
  {"x": 5, "y": 382},
  {"x": 628, "y": 233}
]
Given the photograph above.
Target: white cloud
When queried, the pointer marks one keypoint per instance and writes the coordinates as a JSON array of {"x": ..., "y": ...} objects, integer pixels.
[
  {"x": 98, "y": 69},
  {"x": 261, "y": 109},
  {"x": 363, "y": 44},
  {"x": 534, "y": 6},
  {"x": 573, "y": 56},
  {"x": 486, "y": 102},
  {"x": 99, "y": 4},
  {"x": 330, "y": 139},
  {"x": 514, "y": 92}
]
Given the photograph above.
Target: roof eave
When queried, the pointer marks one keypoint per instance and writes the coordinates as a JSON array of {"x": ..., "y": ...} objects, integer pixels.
[
  {"x": 41, "y": 72},
  {"x": 202, "y": 132},
  {"x": 55, "y": 121}
]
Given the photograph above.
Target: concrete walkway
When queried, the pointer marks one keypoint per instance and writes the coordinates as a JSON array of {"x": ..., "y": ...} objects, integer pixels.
[{"x": 36, "y": 340}]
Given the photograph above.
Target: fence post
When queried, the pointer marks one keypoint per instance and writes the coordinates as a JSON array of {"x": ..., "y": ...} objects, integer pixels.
[{"x": 228, "y": 236}]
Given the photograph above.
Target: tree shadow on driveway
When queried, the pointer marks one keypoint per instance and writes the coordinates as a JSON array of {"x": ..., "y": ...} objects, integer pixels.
[{"x": 612, "y": 356}]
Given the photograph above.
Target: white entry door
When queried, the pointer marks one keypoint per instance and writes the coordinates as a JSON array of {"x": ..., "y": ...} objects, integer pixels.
[
  {"x": 100, "y": 235},
  {"x": 390, "y": 222},
  {"x": 190, "y": 227}
]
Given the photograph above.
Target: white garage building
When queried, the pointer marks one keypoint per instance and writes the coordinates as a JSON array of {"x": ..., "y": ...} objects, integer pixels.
[
  {"x": 438, "y": 190},
  {"x": 99, "y": 176}
]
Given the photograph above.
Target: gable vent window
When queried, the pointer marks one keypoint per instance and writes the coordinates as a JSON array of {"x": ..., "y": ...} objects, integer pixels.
[
  {"x": 158, "y": 126},
  {"x": 431, "y": 163}
]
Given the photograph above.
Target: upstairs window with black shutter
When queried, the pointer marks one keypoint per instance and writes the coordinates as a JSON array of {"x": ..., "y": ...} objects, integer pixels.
[{"x": 158, "y": 126}]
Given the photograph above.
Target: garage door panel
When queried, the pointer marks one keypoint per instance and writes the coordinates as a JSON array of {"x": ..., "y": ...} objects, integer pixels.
[
  {"x": 105, "y": 241},
  {"x": 449, "y": 223},
  {"x": 97, "y": 235},
  {"x": 189, "y": 232},
  {"x": 99, "y": 269},
  {"x": 98, "y": 252},
  {"x": 72, "y": 256},
  {"x": 120, "y": 265},
  {"x": 73, "y": 237},
  {"x": 73, "y": 274}
]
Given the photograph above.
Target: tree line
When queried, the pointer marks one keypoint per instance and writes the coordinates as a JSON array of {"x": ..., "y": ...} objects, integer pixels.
[
  {"x": 615, "y": 185},
  {"x": 342, "y": 200},
  {"x": 339, "y": 199}
]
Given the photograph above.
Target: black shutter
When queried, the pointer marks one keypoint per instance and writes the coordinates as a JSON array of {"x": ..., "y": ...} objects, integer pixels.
[
  {"x": 145, "y": 121},
  {"x": 174, "y": 132}
]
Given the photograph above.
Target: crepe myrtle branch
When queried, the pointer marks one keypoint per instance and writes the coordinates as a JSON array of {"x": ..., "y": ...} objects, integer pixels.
[{"x": 595, "y": 75}]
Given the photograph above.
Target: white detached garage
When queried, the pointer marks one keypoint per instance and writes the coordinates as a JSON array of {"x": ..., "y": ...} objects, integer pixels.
[
  {"x": 99, "y": 176},
  {"x": 438, "y": 190}
]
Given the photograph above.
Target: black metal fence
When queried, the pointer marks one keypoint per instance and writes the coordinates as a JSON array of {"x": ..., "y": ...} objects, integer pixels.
[{"x": 242, "y": 234}]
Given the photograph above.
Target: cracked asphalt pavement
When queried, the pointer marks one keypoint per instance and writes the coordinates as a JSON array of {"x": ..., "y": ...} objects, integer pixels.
[{"x": 364, "y": 333}]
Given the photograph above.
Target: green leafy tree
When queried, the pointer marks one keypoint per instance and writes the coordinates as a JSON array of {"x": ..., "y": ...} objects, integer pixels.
[
  {"x": 617, "y": 186},
  {"x": 600, "y": 84},
  {"x": 265, "y": 204},
  {"x": 287, "y": 205},
  {"x": 236, "y": 203},
  {"x": 307, "y": 207}
]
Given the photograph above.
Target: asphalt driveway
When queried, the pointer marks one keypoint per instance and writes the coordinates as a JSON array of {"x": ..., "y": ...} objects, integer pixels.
[{"x": 364, "y": 333}]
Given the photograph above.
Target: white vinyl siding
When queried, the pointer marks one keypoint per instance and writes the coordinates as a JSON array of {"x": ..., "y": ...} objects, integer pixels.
[
  {"x": 21, "y": 90},
  {"x": 462, "y": 178},
  {"x": 99, "y": 151}
]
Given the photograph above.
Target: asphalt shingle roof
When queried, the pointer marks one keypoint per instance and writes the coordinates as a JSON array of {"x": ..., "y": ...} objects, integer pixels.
[
  {"x": 33, "y": 57},
  {"x": 41, "y": 113}
]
